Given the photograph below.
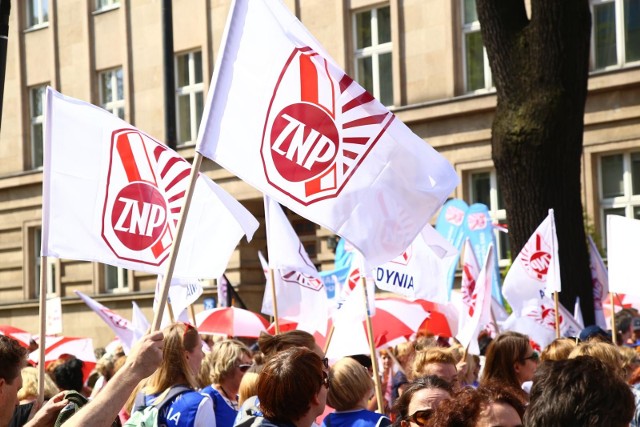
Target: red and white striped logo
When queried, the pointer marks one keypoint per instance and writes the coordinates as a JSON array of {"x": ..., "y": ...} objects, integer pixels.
[
  {"x": 145, "y": 187},
  {"x": 318, "y": 133}
]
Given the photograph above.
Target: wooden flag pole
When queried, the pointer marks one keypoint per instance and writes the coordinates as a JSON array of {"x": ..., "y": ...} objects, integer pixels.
[
  {"x": 555, "y": 299},
  {"x": 328, "y": 341},
  {"x": 274, "y": 299},
  {"x": 175, "y": 247},
  {"x": 614, "y": 332},
  {"x": 43, "y": 328},
  {"x": 372, "y": 348}
]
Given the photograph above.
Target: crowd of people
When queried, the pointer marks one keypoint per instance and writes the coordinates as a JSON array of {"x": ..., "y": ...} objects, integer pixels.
[{"x": 285, "y": 380}]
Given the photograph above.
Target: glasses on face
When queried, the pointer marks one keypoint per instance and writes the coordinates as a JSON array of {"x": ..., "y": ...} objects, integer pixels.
[
  {"x": 325, "y": 380},
  {"x": 244, "y": 367},
  {"x": 421, "y": 417},
  {"x": 325, "y": 363},
  {"x": 535, "y": 356}
]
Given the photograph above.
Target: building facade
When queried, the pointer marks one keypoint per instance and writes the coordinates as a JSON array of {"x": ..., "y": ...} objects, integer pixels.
[{"x": 422, "y": 58}]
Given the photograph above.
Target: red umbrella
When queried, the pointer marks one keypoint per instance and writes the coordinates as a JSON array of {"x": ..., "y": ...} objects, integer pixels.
[
  {"x": 396, "y": 318},
  {"x": 60, "y": 347},
  {"x": 285, "y": 325},
  {"x": 231, "y": 321},
  {"x": 436, "y": 322},
  {"x": 23, "y": 337}
]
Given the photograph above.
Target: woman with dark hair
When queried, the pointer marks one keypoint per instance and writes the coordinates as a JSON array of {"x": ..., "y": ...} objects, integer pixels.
[
  {"x": 292, "y": 388},
  {"x": 510, "y": 360},
  {"x": 418, "y": 401}
]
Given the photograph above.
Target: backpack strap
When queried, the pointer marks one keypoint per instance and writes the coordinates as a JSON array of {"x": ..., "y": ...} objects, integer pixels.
[{"x": 173, "y": 392}]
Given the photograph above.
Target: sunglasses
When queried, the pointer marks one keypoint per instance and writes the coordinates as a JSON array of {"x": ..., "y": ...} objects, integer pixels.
[
  {"x": 325, "y": 380},
  {"x": 244, "y": 367},
  {"x": 421, "y": 417},
  {"x": 535, "y": 356}
]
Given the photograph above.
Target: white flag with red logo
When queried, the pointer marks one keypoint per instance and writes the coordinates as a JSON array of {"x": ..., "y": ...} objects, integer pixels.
[
  {"x": 120, "y": 326},
  {"x": 285, "y": 118},
  {"x": 623, "y": 235},
  {"x": 421, "y": 271},
  {"x": 300, "y": 292},
  {"x": 470, "y": 273},
  {"x": 113, "y": 194},
  {"x": 536, "y": 270},
  {"x": 478, "y": 305},
  {"x": 600, "y": 280},
  {"x": 350, "y": 304}
]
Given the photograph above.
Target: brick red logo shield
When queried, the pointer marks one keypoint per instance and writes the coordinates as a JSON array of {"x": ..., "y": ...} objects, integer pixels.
[
  {"x": 320, "y": 126},
  {"x": 145, "y": 187}
]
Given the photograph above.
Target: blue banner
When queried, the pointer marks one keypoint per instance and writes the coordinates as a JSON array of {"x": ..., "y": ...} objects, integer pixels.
[{"x": 449, "y": 224}]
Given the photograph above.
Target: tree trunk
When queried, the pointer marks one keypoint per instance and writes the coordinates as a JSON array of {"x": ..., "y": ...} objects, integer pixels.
[{"x": 540, "y": 67}]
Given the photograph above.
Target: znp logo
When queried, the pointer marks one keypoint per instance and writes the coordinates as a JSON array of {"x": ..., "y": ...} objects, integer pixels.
[
  {"x": 145, "y": 187},
  {"x": 319, "y": 128},
  {"x": 536, "y": 258}
]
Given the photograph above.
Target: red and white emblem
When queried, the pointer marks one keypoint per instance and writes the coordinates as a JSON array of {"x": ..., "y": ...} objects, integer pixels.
[
  {"x": 314, "y": 141},
  {"x": 536, "y": 258},
  {"x": 145, "y": 187},
  {"x": 454, "y": 215},
  {"x": 545, "y": 316},
  {"x": 477, "y": 221}
]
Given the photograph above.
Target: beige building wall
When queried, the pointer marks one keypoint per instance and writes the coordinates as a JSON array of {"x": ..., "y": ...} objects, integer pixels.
[{"x": 78, "y": 43}]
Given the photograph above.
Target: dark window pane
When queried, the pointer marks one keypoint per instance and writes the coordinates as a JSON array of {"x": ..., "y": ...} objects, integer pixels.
[
  {"x": 120, "y": 83},
  {"x": 363, "y": 29},
  {"x": 364, "y": 74},
  {"x": 470, "y": 14},
  {"x": 37, "y": 101},
  {"x": 386, "y": 78},
  {"x": 37, "y": 146},
  {"x": 384, "y": 25},
  {"x": 45, "y": 11},
  {"x": 474, "y": 61},
  {"x": 612, "y": 171},
  {"x": 632, "y": 30},
  {"x": 184, "y": 119},
  {"x": 197, "y": 65},
  {"x": 635, "y": 173},
  {"x": 503, "y": 239},
  {"x": 199, "y": 108},
  {"x": 182, "y": 70},
  {"x": 605, "y": 34},
  {"x": 481, "y": 188}
]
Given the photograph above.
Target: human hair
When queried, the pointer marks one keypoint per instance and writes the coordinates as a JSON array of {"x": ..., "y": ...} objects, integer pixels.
[
  {"x": 271, "y": 344},
  {"x": 288, "y": 382},
  {"x": 12, "y": 358},
  {"x": 604, "y": 352},
  {"x": 467, "y": 405},
  {"x": 431, "y": 355},
  {"x": 68, "y": 375},
  {"x": 350, "y": 383},
  {"x": 578, "y": 392},
  {"x": 558, "y": 349},
  {"x": 401, "y": 405},
  {"x": 105, "y": 366},
  {"x": 174, "y": 369},
  {"x": 224, "y": 358},
  {"x": 29, "y": 390},
  {"x": 504, "y": 351},
  {"x": 629, "y": 360},
  {"x": 248, "y": 387}
]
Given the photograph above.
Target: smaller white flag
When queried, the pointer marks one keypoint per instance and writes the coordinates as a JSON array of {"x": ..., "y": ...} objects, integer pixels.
[
  {"x": 118, "y": 324},
  {"x": 623, "y": 235},
  {"x": 536, "y": 270},
  {"x": 139, "y": 322},
  {"x": 577, "y": 313},
  {"x": 600, "y": 280},
  {"x": 182, "y": 293}
]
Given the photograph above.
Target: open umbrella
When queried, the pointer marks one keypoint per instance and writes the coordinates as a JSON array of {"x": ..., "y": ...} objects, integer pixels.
[
  {"x": 436, "y": 321},
  {"x": 231, "y": 321},
  {"x": 23, "y": 337},
  {"x": 60, "y": 346},
  {"x": 396, "y": 318}
]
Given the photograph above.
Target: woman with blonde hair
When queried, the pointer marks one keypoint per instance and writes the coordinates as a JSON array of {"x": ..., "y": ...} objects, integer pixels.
[
  {"x": 29, "y": 390},
  {"x": 229, "y": 360},
  {"x": 174, "y": 382},
  {"x": 349, "y": 391},
  {"x": 558, "y": 349}
]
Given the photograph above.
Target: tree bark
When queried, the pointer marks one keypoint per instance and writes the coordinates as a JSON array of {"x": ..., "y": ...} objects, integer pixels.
[{"x": 540, "y": 68}]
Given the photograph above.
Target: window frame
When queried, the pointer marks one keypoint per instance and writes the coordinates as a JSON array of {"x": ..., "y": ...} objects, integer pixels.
[
  {"x": 619, "y": 20},
  {"x": 123, "y": 280},
  {"x": 36, "y": 163},
  {"x": 192, "y": 89},
  {"x": 106, "y": 5},
  {"x": 468, "y": 29},
  {"x": 38, "y": 16},
  {"x": 113, "y": 104},
  {"x": 374, "y": 51}
]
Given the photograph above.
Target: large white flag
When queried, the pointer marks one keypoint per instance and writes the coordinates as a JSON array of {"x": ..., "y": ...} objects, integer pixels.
[
  {"x": 536, "y": 270},
  {"x": 300, "y": 292},
  {"x": 113, "y": 194},
  {"x": 120, "y": 326},
  {"x": 421, "y": 271},
  {"x": 285, "y": 118},
  {"x": 600, "y": 281},
  {"x": 623, "y": 235}
]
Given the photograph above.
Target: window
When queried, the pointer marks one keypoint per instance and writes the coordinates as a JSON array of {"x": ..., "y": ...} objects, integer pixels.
[
  {"x": 112, "y": 92},
  {"x": 116, "y": 279},
  {"x": 37, "y": 13},
  {"x": 36, "y": 262},
  {"x": 619, "y": 186},
  {"x": 189, "y": 95},
  {"x": 373, "y": 52},
  {"x": 483, "y": 187},
  {"x": 616, "y": 32},
  {"x": 477, "y": 74},
  {"x": 107, "y": 4},
  {"x": 37, "y": 101}
]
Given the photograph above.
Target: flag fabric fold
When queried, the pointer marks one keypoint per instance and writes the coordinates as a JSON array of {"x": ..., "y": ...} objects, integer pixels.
[
  {"x": 600, "y": 281},
  {"x": 283, "y": 117}
]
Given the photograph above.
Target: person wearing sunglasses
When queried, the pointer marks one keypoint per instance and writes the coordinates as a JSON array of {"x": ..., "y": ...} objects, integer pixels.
[
  {"x": 351, "y": 388},
  {"x": 510, "y": 360},
  {"x": 228, "y": 361},
  {"x": 292, "y": 388},
  {"x": 417, "y": 403}
]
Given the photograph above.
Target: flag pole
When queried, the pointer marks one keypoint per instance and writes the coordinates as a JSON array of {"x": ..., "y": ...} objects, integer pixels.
[
  {"x": 43, "y": 328},
  {"x": 275, "y": 301},
  {"x": 175, "y": 247},
  {"x": 372, "y": 348},
  {"x": 493, "y": 319},
  {"x": 614, "y": 332},
  {"x": 555, "y": 300},
  {"x": 326, "y": 344}
]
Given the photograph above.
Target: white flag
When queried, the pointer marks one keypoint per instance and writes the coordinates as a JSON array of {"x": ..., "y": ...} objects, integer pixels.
[
  {"x": 420, "y": 272},
  {"x": 600, "y": 280},
  {"x": 351, "y": 303},
  {"x": 118, "y": 324},
  {"x": 113, "y": 194},
  {"x": 479, "y": 306},
  {"x": 623, "y": 235},
  {"x": 182, "y": 293},
  {"x": 536, "y": 269},
  {"x": 300, "y": 292},
  {"x": 470, "y": 274},
  {"x": 283, "y": 117},
  {"x": 139, "y": 322}
]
